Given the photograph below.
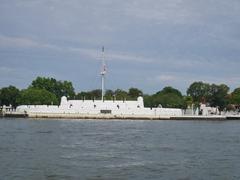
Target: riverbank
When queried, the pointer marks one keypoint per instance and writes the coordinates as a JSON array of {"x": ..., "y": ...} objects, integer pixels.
[{"x": 111, "y": 116}]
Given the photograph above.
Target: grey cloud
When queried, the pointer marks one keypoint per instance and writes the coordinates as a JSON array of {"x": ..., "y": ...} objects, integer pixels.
[{"x": 172, "y": 42}]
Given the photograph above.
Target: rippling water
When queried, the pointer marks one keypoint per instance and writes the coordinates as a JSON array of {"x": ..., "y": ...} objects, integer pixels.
[{"x": 99, "y": 150}]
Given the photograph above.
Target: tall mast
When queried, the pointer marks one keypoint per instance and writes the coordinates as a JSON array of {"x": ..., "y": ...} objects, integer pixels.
[{"x": 103, "y": 72}]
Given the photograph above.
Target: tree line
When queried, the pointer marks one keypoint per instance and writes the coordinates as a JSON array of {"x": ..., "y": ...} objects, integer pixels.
[{"x": 49, "y": 91}]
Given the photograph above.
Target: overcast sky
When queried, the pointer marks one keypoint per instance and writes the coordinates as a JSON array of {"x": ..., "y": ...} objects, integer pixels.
[{"x": 149, "y": 44}]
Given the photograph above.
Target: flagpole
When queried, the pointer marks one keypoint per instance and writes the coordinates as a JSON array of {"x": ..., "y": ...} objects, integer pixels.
[{"x": 103, "y": 72}]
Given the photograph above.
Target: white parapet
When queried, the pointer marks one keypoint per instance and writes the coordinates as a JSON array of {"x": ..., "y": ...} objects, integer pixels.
[{"x": 114, "y": 107}]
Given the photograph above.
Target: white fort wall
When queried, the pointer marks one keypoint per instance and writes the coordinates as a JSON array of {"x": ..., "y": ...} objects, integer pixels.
[{"x": 100, "y": 107}]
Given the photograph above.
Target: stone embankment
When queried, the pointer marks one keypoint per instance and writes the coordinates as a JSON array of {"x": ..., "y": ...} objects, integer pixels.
[{"x": 111, "y": 116}]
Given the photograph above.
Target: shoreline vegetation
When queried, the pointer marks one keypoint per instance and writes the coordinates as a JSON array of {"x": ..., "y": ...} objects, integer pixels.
[{"x": 44, "y": 90}]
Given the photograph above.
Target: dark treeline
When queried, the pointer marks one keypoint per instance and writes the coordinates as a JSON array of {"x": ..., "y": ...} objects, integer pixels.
[{"x": 49, "y": 91}]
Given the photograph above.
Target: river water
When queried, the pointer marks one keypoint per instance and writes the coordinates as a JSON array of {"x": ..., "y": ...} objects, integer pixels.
[{"x": 119, "y": 149}]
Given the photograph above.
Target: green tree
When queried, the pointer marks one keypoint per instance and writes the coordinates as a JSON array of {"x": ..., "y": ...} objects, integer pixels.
[
  {"x": 66, "y": 89},
  {"x": 199, "y": 91},
  {"x": 109, "y": 94},
  {"x": 169, "y": 98},
  {"x": 83, "y": 95},
  {"x": 218, "y": 95},
  {"x": 96, "y": 93},
  {"x": 134, "y": 93},
  {"x": 170, "y": 90},
  {"x": 148, "y": 100},
  {"x": 188, "y": 101},
  {"x": 235, "y": 96},
  {"x": 50, "y": 84},
  {"x": 8, "y": 95},
  {"x": 121, "y": 94},
  {"x": 33, "y": 96},
  {"x": 169, "y": 101},
  {"x": 59, "y": 88}
]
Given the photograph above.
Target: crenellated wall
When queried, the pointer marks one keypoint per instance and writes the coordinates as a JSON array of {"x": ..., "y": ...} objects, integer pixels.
[{"x": 99, "y": 106}]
